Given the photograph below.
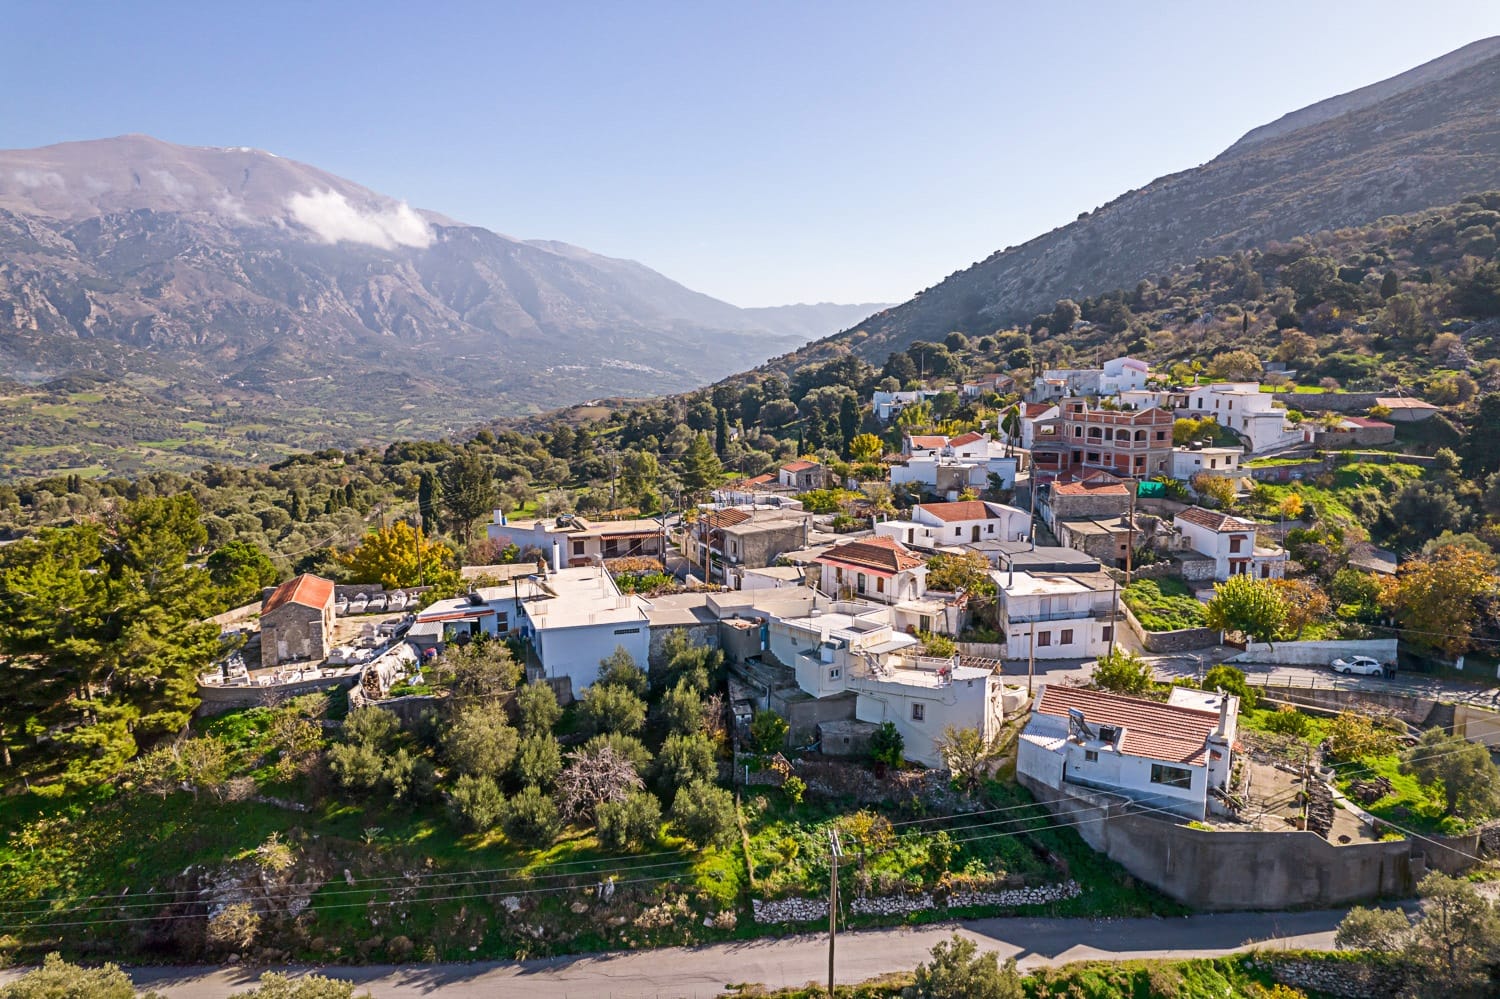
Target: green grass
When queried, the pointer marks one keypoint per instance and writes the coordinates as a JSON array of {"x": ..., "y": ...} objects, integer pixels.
[
  {"x": 1339, "y": 494},
  {"x": 1164, "y": 604}
]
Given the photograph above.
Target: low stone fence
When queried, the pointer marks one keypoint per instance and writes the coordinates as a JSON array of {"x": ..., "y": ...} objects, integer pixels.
[
  {"x": 981, "y": 650},
  {"x": 1333, "y": 976},
  {"x": 1181, "y": 640},
  {"x": 1338, "y": 402},
  {"x": 1334, "y": 700},
  {"x": 1286, "y": 472},
  {"x": 1317, "y": 653},
  {"x": 804, "y": 910},
  {"x": 217, "y": 699}
]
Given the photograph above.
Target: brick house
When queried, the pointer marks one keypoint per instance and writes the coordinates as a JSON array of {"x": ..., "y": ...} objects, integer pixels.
[
  {"x": 296, "y": 621},
  {"x": 1133, "y": 443}
]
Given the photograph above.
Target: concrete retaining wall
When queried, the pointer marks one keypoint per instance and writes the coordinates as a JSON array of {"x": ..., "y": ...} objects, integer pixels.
[
  {"x": 1414, "y": 710},
  {"x": 1225, "y": 870},
  {"x": 1317, "y": 653},
  {"x": 981, "y": 650},
  {"x": 1338, "y": 402}
]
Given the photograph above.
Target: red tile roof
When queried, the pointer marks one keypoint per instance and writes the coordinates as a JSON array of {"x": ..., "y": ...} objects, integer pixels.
[
  {"x": 1031, "y": 410},
  {"x": 968, "y": 438},
  {"x": 798, "y": 466},
  {"x": 1168, "y": 732},
  {"x": 960, "y": 510},
  {"x": 881, "y": 554},
  {"x": 1215, "y": 521},
  {"x": 307, "y": 590},
  {"x": 724, "y": 518},
  {"x": 1091, "y": 487},
  {"x": 1365, "y": 421},
  {"x": 933, "y": 441}
]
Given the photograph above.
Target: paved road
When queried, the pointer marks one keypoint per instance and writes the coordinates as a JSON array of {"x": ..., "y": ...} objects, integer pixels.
[{"x": 791, "y": 961}]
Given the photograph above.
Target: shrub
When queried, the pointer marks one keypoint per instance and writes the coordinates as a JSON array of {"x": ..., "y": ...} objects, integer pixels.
[
  {"x": 530, "y": 818},
  {"x": 887, "y": 746},
  {"x": 537, "y": 704},
  {"x": 1122, "y": 672},
  {"x": 611, "y": 708},
  {"x": 476, "y": 802},
  {"x": 624, "y": 825},
  {"x": 940, "y": 646},
  {"x": 1231, "y": 681},
  {"x": 768, "y": 731},
  {"x": 1353, "y": 738},
  {"x": 958, "y": 971},
  {"x": 539, "y": 760},
  {"x": 704, "y": 814},
  {"x": 480, "y": 740},
  {"x": 683, "y": 760},
  {"x": 620, "y": 670},
  {"x": 794, "y": 788},
  {"x": 1287, "y": 720}
]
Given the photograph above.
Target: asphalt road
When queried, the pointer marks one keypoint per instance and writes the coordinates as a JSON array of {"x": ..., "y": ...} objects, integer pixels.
[{"x": 704, "y": 971}]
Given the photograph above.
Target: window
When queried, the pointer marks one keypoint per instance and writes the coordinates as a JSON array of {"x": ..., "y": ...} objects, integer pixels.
[
  {"x": 1109, "y": 733},
  {"x": 989, "y": 528},
  {"x": 1093, "y": 456},
  {"x": 1171, "y": 776},
  {"x": 879, "y": 584},
  {"x": 835, "y": 673},
  {"x": 578, "y": 548},
  {"x": 1109, "y": 632},
  {"x": 627, "y": 631},
  {"x": 1043, "y": 639},
  {"x": 1066, "y": 638},
  {"x": 860, "y": 582},
  {"x": 918, "y": 712},
  {"x": 1161, "y": 435},
  {"x": 1091, "y": 756},
  {"x": 958, "y": 532},
  {"x": 1235, "y": 543}
]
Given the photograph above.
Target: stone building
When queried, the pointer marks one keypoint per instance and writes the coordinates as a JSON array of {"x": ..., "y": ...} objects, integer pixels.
[{"x": 296, "y": 621}]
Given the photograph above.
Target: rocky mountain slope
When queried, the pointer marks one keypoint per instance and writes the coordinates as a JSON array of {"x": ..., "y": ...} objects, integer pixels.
[
  {"x": 1424, "y": 138},
  {"x": 240, "y": 278}
]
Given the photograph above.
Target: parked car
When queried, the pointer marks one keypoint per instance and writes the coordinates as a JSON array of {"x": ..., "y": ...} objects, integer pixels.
[{"x": 1358, "y": 666}]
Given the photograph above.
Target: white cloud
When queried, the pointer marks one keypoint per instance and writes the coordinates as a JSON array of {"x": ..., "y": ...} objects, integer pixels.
[
  {"x": 232, "y": 208},
  {"x": 171, "y": 185},
  {"x": 333, "y": 219},
  {"x": 40, "y": 178}
]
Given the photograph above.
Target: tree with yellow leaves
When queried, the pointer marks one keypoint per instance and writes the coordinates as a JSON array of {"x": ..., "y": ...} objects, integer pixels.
[
  {"x": 400, "y": 555},
  {"x": 1437, "y": 596}
]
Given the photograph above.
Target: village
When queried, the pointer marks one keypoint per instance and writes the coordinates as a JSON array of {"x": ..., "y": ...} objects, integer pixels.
[{"x": 995, "y": 610}]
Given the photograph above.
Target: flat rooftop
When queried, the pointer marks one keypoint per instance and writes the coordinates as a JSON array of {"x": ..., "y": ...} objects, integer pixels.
[
  {"x": 1026, "y": 584},
  {"x": 574, "y": 598}
]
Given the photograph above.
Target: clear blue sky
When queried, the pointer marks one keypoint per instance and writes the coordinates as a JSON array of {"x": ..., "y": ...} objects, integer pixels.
[{"x": 761, "y": 152}]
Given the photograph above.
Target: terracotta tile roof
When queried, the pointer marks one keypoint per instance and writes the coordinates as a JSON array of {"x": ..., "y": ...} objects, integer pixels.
[
  {"x": 1215, "y": 521},
  {"x": 961, "y": 510},
  {"x": 1031, "y": 410},
  {"x": 968, "y": 438},
  {"x": 1366, "y": 422},
  {"x": 1168, "y": 732},
  {"x": 1091, "y": 487},
  {"x": 724, "y": 518},
  {"x": 307, "y": 590},
  {"x": 882, "y": 554},
  {"x": 798, "y": 466},
  {"x": 759, "y": 480},
  {"x": 932, "y": 441}
]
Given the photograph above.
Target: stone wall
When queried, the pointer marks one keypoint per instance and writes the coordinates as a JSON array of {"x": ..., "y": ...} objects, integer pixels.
[
  {"x": 1161, "y": 642},
  {"x": 1332, "y": 975},
  {"x": 805, "y": 910},
  {"x": 1316, "y": 653},
  {"x": 1226, "y": 870},
  {"x": 1414, "y": 710},
  {"x": 803, "y": 714},
  {"x": 217, "y": 700},
  {"x": 1338, "y": 402},
  {"x": 1285, "y": 473},
  {"x": 697, "y": 634}
]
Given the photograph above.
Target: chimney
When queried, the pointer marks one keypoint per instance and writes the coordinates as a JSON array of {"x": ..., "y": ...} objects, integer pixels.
[
  {"x": 1223, "y": 729},
  {"x": 556, "y": 555}
]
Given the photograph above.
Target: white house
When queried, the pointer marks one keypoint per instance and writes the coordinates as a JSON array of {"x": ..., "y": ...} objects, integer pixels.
[
  {"x": 1068, "y": 615},
  {"x": 1031, "y": 415},
  {"x": 573, "y": 618},
  {"x": 941, "y": 525},
  {"x": 859, "y": 648},
  {"x": 572, "y": 540},
  {"x": 1171, "y": 756},
  {"x": 1221, "y": 462},
  {"x": 1123, "y": 374},
  {"x": 888, "y": 404},
  {"x": 1244, "y": 408},
  {"x": 1230, "y": 542},
  {"x": 948, "y": 467},
  {"x": 878, "y": 569}
]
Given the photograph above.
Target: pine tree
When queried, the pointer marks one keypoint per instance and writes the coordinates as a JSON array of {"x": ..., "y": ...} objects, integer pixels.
[
  {"x": 721, "y": 434},
  {"x": 701, "y": 467},
  {"x": 468, "y": 492}
]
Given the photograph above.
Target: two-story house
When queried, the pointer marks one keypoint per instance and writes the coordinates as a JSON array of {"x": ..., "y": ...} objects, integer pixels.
[
  {"x": 735, "y": 539},
  {"x": 933, "y": 526},
  {"x": 1245, "y": 409},
  {"x": 1063, "y": 615},
  {"x": 948, "y": 467},
  {"x": 878, "y": 569},
  {"x": 1230, "y": 542},
  {"x": 1173, "y": 756},
  {"x": 858, "y": 648},
  {"x": 581, "y": 541}
]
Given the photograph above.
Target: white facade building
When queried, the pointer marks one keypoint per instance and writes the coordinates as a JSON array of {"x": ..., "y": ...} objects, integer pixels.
[
  {"x": 1244, "y": 408},
  {"x": 948, "y": 467},
  {"x": 1230, "y": 542},
  {"x": 888, "y": 404},
  {"x": 573, "y": 618},
  {"x": 1223, "y": 462},
  {"x": 1068, "y": 615},
  {"x": 944, "y": 525},
  {"x": 1171, "y": 756},
  {"x": 854, "y": 647}
]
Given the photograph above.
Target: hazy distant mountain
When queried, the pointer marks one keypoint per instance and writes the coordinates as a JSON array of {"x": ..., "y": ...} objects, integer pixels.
[
  {"x": 810, "y": 321},
  {"x": 242, "y": 273},
  {"x": 1424, "y": 138}
]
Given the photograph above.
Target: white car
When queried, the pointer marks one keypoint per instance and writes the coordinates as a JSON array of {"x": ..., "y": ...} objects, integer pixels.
[{"x": 1359, "y": 666}]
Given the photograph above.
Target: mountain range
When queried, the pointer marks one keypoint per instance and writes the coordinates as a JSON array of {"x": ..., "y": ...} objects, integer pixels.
[
  {"x": 1426, "y": 137},
  {"x": 220, "y": 281}
]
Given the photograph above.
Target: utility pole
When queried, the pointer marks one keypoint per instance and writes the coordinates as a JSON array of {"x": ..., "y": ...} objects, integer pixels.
[
  {"x": 1130, "y": 531},
  {"x": 420, "y": 580},
  {"x": 1031, "y": 656},
  {"x": 1114, "y": 614},
  {"x": 835, "y": 853}
]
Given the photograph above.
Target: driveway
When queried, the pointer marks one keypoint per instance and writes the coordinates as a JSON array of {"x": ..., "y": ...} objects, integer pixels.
[{"x": 793, "y": 961}]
